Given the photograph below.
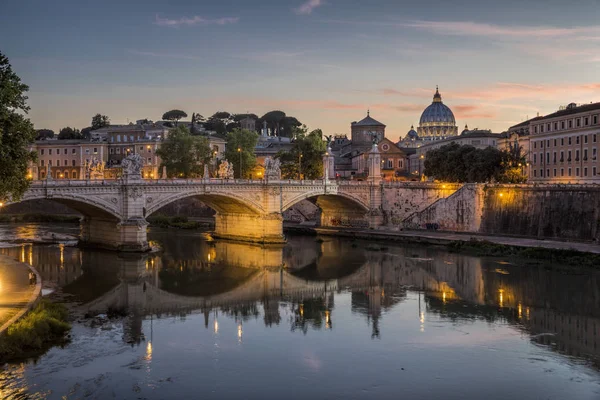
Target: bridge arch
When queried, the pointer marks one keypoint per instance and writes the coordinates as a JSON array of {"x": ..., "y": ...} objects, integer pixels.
[
  {"x": 339, "y": 200},
  {"x": 221, "y": 202},
  {"x": 88, "y": 206}
]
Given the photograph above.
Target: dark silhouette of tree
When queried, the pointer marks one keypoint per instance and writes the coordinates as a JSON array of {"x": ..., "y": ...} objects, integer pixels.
[
  {"x": 184, "y": 155},
  {"x": 306, "y": 154},
  {"x": 174, "y": 115},
  {"x": 16, "y": 133},
  {"x": 44, "y": 134},
  {"x": 100, "y": 121},
  {"x": 69, "y": 133}
]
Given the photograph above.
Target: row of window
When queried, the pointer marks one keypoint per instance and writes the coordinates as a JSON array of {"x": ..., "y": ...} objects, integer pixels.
[
  {"x": 60, "y": 174},
  {"x": 562, "y": 172},
  {"x": 118, "y": 150},
  {"x": 65, "y": 151},
  {"x": 132, "y": 138},
  {"x": 562, "y": 156},
  {"x": 569, "y": 141},
  {"x": 565, "y": 124},
  {"x": 389, "y": 164},
  {"x": 42, "y": 163}
]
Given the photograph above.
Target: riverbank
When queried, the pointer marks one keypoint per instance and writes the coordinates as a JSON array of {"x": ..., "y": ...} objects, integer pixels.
[
  {"x": 38, "y": 217},
  {"x": 569, "y": 253},
  {"x": 17, "y": 295}
]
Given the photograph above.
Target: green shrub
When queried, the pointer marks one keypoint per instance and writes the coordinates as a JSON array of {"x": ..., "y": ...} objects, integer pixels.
[{"x": 45, "y": 324}]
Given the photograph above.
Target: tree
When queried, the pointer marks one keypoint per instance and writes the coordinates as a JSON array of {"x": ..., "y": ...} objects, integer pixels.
[
  {"x": 44, "y": 134},
  {"x": 306, "y": 156},
  {"x": 100, "y": 121},
  {"x": 184, "y": 155},
  {"x": 514, "y": 162},
  {"x": 280, "y": 123},
  {"x": 218, "y": 122},
  {"x": 16, "y": 134},
  {"x": 245, "y": 141},
  {"x": 274, "y": 120},
  {"x": 174, "y": 115},
  {"x": 69, "y": 133},
  {"x": 86, "y": 133},
  {"x": 455, "y": 163}
]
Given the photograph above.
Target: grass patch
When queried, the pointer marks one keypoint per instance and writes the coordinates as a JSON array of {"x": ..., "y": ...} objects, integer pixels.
[
  {"x": 38, "y": 217},
  {"x": 180, "y": 222},
  {"x": 43, "y": 326},
  {"x": 484, "y": 248}
]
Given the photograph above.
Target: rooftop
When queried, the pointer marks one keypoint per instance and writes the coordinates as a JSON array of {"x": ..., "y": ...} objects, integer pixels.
[
  {"x": 573, "y": 109},
  {"x": 368, "y": 121}
]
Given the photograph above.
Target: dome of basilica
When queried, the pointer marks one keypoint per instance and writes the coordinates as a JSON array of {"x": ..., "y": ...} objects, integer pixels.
[
  {"x": 437, "y": 121},
  {"x": 412, "y": 134}
]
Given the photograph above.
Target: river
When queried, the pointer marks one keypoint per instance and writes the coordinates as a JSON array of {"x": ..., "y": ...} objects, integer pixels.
[{"x": 319, "y": 318}]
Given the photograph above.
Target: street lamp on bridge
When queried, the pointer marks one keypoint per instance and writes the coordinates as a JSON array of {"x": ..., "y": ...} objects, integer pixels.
[{"x": 240, "y": 151}]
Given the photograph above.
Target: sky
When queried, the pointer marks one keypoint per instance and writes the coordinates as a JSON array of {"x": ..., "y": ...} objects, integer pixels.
[{"x": 323, "y": 61}]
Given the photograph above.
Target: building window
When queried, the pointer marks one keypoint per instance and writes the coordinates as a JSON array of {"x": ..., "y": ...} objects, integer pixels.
[
  {"x": 585, "y": 171},
  {"x": 586, "y": 121},
  {"x": 42, "y": 152},
  {"x": 547, "y": 158},
  {"x": 577, "y": 171},
  {"x": 562, "y": 172},
  {"x": 535, "y": 158},
  {"x": 578, "y": 122},
  {"x": 594, "y": 153},
  {"x": 131, "y": 138},
  {"x": 535, "y": 173},
  {"x": 576, "y": 155},
  {"x": 42, "y": 162},
  {"x": 562, "y": 156},
  {"x": 535, "y": 129},
  {"x": 49, "y": 163},
  {"x": 72, "y": 163},
  {"x": 112, "y": 139},
  {"x": 141, "y": 148},
  {"x": 67, "y": 174},
  {"x": 585, "y": 154},
  {"x": 149, "y": 160},
  {"x": 548, "y": 143},
  {"x": 562, "y": 141},
  {"x": 65, "y": 151},
  {"x": 87, "y": 151},
  {"x": 594, "y": 171},
  {"x": 74, "y": 174},
  {"x": 577, "y": 139},
  {"x": 562, "y": 124},
  {"x": 111, "y": 151},
  {"x": 554, "y": 158},
  {"x": 65, "y": 163},
  {"x": 541, "y": 128},
  {"x": 554, "y": 172},
  {"x": 534, "y": 145},
  {"x": 119, "y": 138},
  {"x": 570, "y": 123},
  {"x": 118, "y": 150},
  {"x": 569, "y": 157},
  {"x": 95, "y": 150},
  {"x": 50, "y": 151},
  {"x": 595, "y": 119},
  {"x": 548, "y": 173},
  {"x": 541, "y": 173},
  {"x": 569, "y": 140},
  {"x": 556, "y": 126},
  {"x": 569, "y": 171},
  {"x": 554, "y": 142},
  {"x": 594, "y": 138},
  {"x": 548, "y": 127}
]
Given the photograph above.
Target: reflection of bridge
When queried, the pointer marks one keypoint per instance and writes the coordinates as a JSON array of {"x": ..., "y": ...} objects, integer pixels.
[{"x": 115, "y": 211}]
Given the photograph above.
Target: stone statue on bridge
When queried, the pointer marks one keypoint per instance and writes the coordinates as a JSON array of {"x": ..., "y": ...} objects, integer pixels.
[
  {"x": 225, "y": 170},
  {"x": 94, "y": 169},
  {"x": 132, "y": 166},
  {"x": 272, "y": 168}
]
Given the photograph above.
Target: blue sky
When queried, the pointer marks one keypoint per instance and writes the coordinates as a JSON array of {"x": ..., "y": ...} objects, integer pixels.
[{"x": 323, "y": 61}]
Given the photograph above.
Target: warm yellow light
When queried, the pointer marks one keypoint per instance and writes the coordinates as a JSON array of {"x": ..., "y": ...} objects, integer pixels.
[
  {"x": 259, "y": 173},
  {"x": 443, "y": 186},
  {"x": 148, "y": 147},
  {"x": 149, "y": 350},
  {"x": 501, "y": 297},
  {"x": 62, "y": 255},
  {"x": 444, "y": 297},
  {"x": 422, "y": 156},
  {"x": 61, "y": 175},
  {"x": 501, "y": 195},
  {"x": 302, "y": 310},
  {"x": 208, "y": 257},
  {"x": 422, "y": 317},
  {"x": 520, "y": 308},
  {"x": 1, "y": 204},
  {"x": 239, "y": 149},
  {"x": 216, "y": 326},
  {"x": 240, "y": 331},
  {"x": 29, "y": 175}
]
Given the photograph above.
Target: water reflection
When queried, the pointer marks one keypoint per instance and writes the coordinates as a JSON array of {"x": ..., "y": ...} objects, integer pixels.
[{"x": 332, "y": 287}]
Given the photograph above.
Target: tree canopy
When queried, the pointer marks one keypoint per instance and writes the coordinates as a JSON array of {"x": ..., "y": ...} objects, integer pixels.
[
  {"x": 174, "y": 115},
  {"x": 16, "y": 133},
  {"x": 69, "y": 133},
  {"x": 245, "y": 141},
  {"x": 184, "y": 155},
  {"x": 44, "y": 134},
  {"x": 305, "y": 157},
  {"x": 100, "y": 121},
  {"x": 455, "y": 163}
]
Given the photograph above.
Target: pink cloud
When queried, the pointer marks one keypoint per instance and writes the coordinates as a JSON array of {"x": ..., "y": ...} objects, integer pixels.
[
  {"x": 195, "y": 20},
  {"x": 308, "y": 7}
]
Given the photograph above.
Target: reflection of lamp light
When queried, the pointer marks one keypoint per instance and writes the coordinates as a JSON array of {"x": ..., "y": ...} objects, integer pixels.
[
  {"x": 501, "y": 297},
  {"x": 444, "y": 297},
  {"x": 216, "y": 326},
  {"x": 520, "y": 310},
  {"x": 240, "y": 331},
  {"x": 149, "y": 349},
  {"x": 302, "y": 310},
  {"x": 327, "y": 319}
]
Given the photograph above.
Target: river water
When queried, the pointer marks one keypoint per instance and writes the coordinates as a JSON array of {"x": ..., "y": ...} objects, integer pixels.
[{"x": 319, "y": 318}]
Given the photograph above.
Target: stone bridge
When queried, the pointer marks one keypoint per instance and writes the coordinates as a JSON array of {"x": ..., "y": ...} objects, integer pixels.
[{"x": 115, "y": 211}]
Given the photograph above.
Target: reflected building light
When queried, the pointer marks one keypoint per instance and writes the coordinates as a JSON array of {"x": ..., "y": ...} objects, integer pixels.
[
  {"x": 240, "y": 331},
  {"x": 208, "y": 257},
  {"x": 31, "y": 255},
  {"x": 302, "y": 310},
  {"x": 444, "y": 297},
  {"x": 527, "y": 313},
  {"x": 22, "y": 253},
  {"x": 216, "y": 326},
  {"x": 327, "y": 319},
  {"x": 422, "y": 317},
  {"x": 62, "y": 255},
  {"x": 520, "y": 309},
  {"x": 501, "y": 297},
  {"x": 149, "y": 350}
]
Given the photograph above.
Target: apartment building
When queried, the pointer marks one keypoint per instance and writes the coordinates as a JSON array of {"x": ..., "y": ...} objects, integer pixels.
[{"x": 564, "y": 145}]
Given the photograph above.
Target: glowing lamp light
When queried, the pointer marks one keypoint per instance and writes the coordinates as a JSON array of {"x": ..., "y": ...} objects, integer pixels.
[
  {"x": 443, "y": 186},
  {"x": 501, "y": 195},
  {"x": 1, "y": 204}
]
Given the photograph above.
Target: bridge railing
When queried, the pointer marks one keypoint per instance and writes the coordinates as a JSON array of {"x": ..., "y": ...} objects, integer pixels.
[{"x": 178, "y": 181}]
